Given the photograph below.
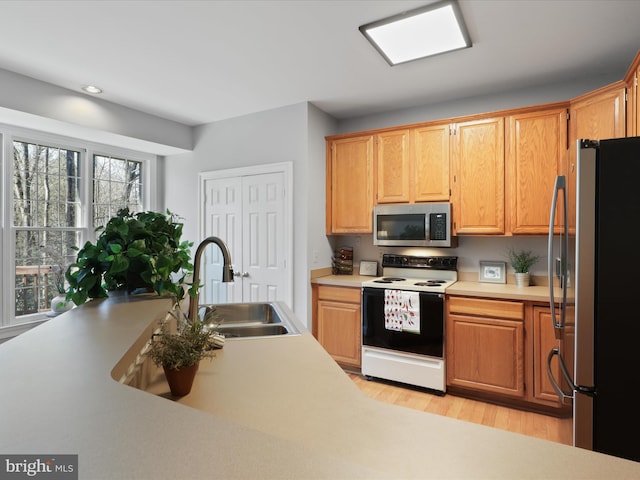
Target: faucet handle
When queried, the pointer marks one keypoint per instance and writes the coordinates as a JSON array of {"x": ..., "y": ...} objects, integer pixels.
[{"x": 227, "y": 274}]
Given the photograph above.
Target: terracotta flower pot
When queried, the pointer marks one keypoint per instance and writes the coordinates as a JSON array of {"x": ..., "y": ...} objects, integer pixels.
[{"x": 181, "y": 380}]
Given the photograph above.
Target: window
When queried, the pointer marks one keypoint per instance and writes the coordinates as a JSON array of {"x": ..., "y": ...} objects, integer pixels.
[
  {"x": 117, "y": 183},
  {"x": 58, "y": 196},
  {"x": 46, "y": 211}
]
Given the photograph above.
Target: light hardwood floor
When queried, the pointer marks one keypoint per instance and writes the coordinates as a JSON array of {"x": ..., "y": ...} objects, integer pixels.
[{"x": 527, "y": 423}]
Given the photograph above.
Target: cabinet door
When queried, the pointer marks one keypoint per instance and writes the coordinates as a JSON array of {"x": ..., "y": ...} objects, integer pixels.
[
  {"x": 339, "y": 331},
  {"x": 485, "y": 354},
  {"x": 478, "y": 177},
  {"x": 544, "y": 341},
  {"x": 431, "y": 157},
  {"x": 633, "y": 102},
  {"x": 595, "y": 116},
  {"x": 393, "y": 167},
  {"x": 537, "y": 153},
  {"x": 350, "y": 185}
]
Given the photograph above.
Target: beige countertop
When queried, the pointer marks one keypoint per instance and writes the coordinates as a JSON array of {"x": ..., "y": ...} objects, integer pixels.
[
  {"x": 262, "y": 408},
  {"x": 506, "y": 291}
]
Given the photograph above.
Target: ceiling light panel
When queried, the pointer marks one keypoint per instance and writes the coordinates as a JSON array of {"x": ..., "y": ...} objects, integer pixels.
[{"x": 419, "y": 33}]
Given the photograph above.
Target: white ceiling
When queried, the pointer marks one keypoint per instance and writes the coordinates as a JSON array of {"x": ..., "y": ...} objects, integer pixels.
[{"x": 201, "y": 61}]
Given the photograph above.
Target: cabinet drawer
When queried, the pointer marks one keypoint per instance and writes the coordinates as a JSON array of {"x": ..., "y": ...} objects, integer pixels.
[
  {"x": 486, "y": 308},
  {"x": 339, "y": 294}
]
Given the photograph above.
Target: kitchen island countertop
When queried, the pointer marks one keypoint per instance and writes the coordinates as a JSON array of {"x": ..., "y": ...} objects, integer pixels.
[{"x": 262, "y": 408}]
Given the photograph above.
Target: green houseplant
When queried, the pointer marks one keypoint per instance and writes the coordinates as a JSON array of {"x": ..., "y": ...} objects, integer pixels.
[
  {"x": 132, "y": 252},
  {"x": 522, "y": 261},
  {"x": 178, "y": 348}
]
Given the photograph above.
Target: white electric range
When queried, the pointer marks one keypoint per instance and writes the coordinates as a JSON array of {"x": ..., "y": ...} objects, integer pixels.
[{"x": 403, "y": 320}]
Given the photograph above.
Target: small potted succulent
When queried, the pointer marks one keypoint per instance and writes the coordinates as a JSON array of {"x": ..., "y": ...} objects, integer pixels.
[
  {"x": 57, "y": 267},
  {"x": 178, "y": 347},
  {"x": 522, "y": 261}
]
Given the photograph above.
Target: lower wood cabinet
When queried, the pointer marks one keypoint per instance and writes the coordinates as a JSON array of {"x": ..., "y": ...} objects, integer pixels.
[
  {"x": 543, "y": 341},
  {"x": 337, "y": 322},
  {"x": 485, "y": 345},
  {"x": 498, "y": 349}
]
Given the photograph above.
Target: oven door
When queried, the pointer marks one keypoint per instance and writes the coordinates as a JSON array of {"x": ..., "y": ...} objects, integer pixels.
[{"x": 428, "y": 342}]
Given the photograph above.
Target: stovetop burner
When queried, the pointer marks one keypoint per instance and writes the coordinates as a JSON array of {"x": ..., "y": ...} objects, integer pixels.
[
  {"x": 390, "y": 280},
  {"x": 403, "y": 272},
  {"x": 430, "y": 283}
]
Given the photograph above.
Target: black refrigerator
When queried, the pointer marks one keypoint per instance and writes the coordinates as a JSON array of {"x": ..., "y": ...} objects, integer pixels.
[{"x": 602, "y": 263}]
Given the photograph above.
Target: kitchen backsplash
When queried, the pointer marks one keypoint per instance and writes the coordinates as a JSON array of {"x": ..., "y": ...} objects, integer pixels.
[{"x": 470, "y": 250}]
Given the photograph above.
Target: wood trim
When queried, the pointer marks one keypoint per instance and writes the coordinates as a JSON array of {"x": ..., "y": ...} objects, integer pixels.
[
  {"x": 631, "y": 72},
  {"x": 339, "y": 294},
  {"x": 442, "y": 121},
  {"x": 481, "y": 306},
  {"x": 600, "y": 91}
]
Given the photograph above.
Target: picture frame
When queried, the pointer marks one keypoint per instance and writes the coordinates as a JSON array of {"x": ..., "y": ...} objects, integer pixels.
[{"x": 493, "y": 272}]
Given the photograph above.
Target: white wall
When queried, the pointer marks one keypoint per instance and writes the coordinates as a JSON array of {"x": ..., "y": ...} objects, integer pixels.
[
  {"x": 289, "y": 134},
  {"x": 26, "y": 102},
  {"x": 471, "y": 106}
]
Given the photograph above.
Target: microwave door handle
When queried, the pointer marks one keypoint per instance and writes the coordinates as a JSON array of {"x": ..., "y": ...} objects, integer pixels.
[
  {"x": 564, "y": 247},
  {"x": 565, "y": 373}
]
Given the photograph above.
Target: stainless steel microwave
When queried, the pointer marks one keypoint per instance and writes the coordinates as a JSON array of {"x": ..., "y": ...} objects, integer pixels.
[{"x": 413, "y": 225}]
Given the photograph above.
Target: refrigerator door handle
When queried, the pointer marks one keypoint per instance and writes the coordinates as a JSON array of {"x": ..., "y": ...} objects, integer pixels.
[
  {"x": 565, "y": 373},
  {"x": 558, "y": 325}
]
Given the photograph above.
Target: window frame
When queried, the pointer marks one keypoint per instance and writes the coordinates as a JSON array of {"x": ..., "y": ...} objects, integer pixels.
[{"x": 9, "y": 134}]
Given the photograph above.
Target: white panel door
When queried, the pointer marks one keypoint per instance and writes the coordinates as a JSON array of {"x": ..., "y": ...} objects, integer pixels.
[
  {"x": 263, "y": 253},
  {"x": 223, "y": 219},
  {"x": 250, "y": 213}
]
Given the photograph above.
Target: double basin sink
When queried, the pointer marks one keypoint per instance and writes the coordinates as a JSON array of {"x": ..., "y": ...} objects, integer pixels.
[{"x": 252, "y": 319}]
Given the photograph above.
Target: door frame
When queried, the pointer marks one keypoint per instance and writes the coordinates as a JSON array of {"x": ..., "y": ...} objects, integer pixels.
[{"x": 284, "y": 168}]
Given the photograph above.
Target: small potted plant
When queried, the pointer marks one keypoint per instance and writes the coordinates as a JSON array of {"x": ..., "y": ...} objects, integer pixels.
[
  {"x": 59, "y": 302},
  {"x": 178, "y": 347},
  {"x": 135, "y": 253},
  {"x": 522, "y": 261}
]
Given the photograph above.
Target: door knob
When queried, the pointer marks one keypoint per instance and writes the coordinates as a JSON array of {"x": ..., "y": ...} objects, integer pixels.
[{"x": 238, "y": 274}]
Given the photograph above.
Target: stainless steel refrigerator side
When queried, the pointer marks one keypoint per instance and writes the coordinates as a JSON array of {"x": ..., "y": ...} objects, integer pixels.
[{"x": 584, "y": 291}]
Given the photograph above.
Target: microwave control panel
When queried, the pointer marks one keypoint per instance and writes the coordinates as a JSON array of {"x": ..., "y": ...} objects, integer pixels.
[{"x": 438, "y": 226}]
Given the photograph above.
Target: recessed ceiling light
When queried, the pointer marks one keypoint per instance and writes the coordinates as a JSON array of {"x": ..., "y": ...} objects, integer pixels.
[
  {"x": 92, "y": 89},
  {"x": 419, "y": 33}
]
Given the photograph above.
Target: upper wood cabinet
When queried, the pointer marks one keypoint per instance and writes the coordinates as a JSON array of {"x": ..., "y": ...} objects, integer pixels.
[
  {"x": 633, "y": 98},
  {"x": 536, "y": 153},
  {"x": 478, "y": 193},
  {"x": 350, "y": 185},
  {"x": 413, "y": 165},
  {"x": 394, "y": 167},
  {"x": 597, "y": 115},
  {"x": 431, "y": 149}
]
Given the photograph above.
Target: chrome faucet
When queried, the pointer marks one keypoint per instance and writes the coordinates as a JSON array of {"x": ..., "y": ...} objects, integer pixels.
[{"x": 227, "y": 271}]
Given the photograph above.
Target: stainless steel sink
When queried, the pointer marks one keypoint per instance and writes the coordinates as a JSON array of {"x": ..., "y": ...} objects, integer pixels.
[
  {"x": 253, "y": 319},
  {"x": 233, "y": 331}
]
